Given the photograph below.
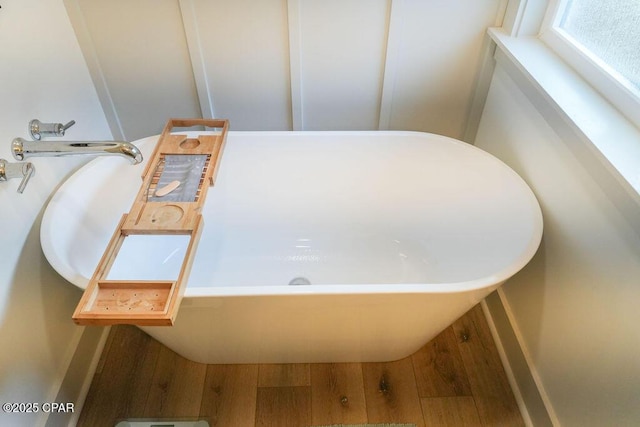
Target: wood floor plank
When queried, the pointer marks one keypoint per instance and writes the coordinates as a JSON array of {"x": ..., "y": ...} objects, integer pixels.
[
  {"x": 176, "y": 387},
  {"x": 137, "y": 377},
  {"x": 489, "y": 385},
  {"x": 283, "y": 407},
  {"x": 229, "y": 395},
  {"x": 450, "y": 412},
  {"x": 391, "y": 393},
  {"x": 284, "y": 375},
  {"x": 337, "y": 394},
  {"x": 109, "y": 395},
  {"x": 140, "y": 383},
  {"x": 439, "y": 369}
]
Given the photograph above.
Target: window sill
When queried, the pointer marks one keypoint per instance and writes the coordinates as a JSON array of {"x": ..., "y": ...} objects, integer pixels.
[{"x": 602, "y": 139}]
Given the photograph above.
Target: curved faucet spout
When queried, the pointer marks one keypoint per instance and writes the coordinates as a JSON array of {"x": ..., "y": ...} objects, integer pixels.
[{"x": 23, "y": 149}]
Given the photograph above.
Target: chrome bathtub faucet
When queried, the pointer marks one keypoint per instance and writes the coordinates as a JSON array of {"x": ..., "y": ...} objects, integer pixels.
[{"x": 23, "y": 149}]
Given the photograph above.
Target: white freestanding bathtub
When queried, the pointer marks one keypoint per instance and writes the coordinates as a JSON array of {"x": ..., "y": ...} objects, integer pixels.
[{"x": 317, "y": 246}]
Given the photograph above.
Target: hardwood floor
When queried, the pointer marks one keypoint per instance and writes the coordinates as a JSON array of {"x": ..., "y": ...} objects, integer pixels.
[{"x": 456, "y": 379}]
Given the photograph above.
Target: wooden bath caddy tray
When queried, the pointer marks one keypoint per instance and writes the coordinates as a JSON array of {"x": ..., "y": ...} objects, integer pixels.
[{"x": 156, "y": 302}]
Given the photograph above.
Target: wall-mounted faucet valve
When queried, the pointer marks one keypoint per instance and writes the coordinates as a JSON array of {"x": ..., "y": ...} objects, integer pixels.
[
  {"x": 39, "y": 130},
  {"x": 16, "y": 170}
]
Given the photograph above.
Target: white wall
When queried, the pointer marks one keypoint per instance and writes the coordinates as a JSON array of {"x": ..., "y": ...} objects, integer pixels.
[
  {"x": 43, "y": 75},
  {"x": 287, "y": 64},
  {"x": 575, "y": 306},
  {"x": 138, "y": 50}
]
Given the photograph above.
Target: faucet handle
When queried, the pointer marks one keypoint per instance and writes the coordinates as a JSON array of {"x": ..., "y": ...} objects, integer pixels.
[
  {"x": 17, "y": 170},
  {"x": 27, "y": 170},
  {"x": 39, "y": 130},
  {"x": 66, "y": 126}
]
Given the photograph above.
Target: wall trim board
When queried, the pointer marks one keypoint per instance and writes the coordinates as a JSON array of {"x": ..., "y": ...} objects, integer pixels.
[
  {"x": 56, "y": 384},
  {"x": 74, "y": 386},
  {"x": 522, "y": 406},
  {"x": 192, "y": 34},
  {"x": 482, "y": 82},
  {"x": 480, "y": 92},
  {"x": 529, "y": 391},
  {"x": 394, "y": 43},
  {"x": 88, "y": 49},
  {"x": 295, "y": 63}
]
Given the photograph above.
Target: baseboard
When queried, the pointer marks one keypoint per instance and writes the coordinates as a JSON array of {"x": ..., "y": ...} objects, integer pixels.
[
  {"x": 77, "y": 380},
  {"x": 528, "y": 390}
]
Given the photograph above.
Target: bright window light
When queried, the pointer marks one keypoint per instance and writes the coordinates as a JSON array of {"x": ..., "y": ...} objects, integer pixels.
[{"x": 609, "y": 32}]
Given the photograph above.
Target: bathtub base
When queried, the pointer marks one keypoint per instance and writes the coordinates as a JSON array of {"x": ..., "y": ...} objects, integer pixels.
[
  {"x": 397, "y": 234},
  {"x": 311, "y": 328}
]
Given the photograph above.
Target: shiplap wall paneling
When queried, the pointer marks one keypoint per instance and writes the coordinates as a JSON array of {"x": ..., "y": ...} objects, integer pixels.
[
  {"x": 286, "y": 64},
  {"x": 342, "y": 55},
  {"x": 143, "y": 58},
  {"x": 245, "y": 52},
  {"x": 439, "y": 52}
]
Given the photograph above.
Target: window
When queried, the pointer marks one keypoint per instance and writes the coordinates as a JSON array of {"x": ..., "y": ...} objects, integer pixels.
[
  {"x": 577, "y": 61},
  {"x": 601, "y": 40}
]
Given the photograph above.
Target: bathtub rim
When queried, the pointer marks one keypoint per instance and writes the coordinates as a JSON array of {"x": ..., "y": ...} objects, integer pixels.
[{"x": 494, "y": 280}]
